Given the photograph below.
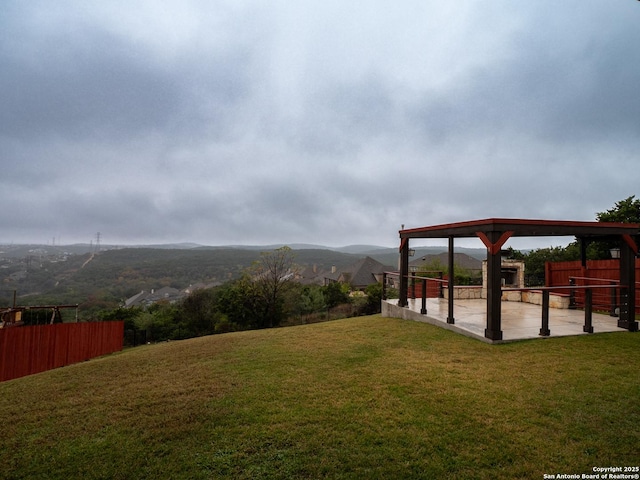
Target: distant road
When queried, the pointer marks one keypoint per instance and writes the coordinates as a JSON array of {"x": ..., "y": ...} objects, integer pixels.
[{"x": 88, "y": 260}]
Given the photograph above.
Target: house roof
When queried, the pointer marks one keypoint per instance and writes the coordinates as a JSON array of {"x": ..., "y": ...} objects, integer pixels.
[
  {"x": 362, "y": 273},
  {"x": 310, "y": 275},
  {"x": 166, "y": 292},
  {"x": 146, "y": 298},
  {"x": 136, "y": 299}
]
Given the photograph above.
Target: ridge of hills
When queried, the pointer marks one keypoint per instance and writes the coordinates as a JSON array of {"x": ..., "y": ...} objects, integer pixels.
[
  {"x": 23, "y": 250},
  {"x": 75, "y": 274}
]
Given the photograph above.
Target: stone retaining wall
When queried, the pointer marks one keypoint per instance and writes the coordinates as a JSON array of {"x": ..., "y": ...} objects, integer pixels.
[{"x": 534, "y": 297}]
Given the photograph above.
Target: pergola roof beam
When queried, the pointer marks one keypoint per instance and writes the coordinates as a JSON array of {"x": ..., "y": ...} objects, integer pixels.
[{"x": 523, "y": 228}]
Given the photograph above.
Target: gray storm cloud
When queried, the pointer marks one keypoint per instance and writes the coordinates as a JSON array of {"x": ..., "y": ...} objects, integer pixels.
[{"x": 240, "y": 122}]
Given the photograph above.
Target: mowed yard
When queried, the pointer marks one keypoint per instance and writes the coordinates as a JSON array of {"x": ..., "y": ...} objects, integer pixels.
[{"x": 359, "y": 398}]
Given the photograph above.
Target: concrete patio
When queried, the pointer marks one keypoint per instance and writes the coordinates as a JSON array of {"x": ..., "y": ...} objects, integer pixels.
[{"x": 520, "y": 321}]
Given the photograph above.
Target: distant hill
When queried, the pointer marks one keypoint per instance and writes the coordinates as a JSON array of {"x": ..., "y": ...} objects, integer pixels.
[
  {"x": 390, "y": 256},
  {"x": 69, "y": 274},
  {"x": 17, "y": 250},
  {"x": 460, "y": 259},
  {"x": 52, "y": 275}
]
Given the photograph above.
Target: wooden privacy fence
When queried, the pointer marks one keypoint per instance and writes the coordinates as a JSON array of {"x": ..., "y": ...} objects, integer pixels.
[
  {"x": 33, "y": 349},
  {"x": 596, "y": 272},
  {"x": 426, "y": 287}
]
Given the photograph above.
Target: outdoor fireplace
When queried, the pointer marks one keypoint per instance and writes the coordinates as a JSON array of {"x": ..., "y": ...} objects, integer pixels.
[{"x": 511, "y": 275}]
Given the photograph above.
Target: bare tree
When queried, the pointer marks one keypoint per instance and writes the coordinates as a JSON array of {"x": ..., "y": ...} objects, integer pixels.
[{"x": 273, "y": 274}]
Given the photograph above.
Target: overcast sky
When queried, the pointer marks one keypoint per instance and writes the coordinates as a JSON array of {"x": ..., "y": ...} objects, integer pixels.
[{"x": 259, "y": 122}]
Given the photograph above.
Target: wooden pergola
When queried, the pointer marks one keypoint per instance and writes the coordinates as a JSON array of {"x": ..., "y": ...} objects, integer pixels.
[{"x": 494, "y": 233}]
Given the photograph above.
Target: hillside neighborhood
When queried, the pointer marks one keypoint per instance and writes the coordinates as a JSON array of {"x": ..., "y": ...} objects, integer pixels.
[{"x": 358, "y": 276}]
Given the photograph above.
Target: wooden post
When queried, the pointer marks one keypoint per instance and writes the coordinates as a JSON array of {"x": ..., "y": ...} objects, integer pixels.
[
  {"x": 451, "y": 283},
  {"x": 384, "y": 285},
  {"x": 412, "y": 287},
  {"x": 627, "y": 288},
  {"x": 404, "y": 272},
  {"x": 572, "y": 294},
  {"x": 614, "y": 301},
  {"x": 544, "y": 331},
  {"x": 494, "y": 290},
  {"x": 588, "y": 308},
  {"x": 423, "y": 310}
]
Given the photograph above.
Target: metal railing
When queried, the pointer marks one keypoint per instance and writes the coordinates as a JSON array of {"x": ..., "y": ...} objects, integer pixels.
[
  {"x": 604, "y": 301},
  {"x": 546, "y": 291},
  {"x": 422, "y": 281}
]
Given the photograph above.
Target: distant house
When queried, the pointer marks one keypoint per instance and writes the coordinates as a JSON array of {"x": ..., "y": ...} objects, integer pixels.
[
  {"x": 359, "y": 275},
  {"x": 144, "y": 299},
  {"x": 137, "y": 300},
  {"x": 310, "y": 275},
  {"x": 166, "y": 294}
]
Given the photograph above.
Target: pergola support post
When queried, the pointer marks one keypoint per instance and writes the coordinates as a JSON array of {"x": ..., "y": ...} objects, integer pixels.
[
  {"x": 613, "y": 310},
  {"x": 544, "y": 330},
  {"x": 494, "y": 289},
  {"x": 588, "y": 309},
  {"x": 384, "y": 285},
  {"x": 404, "y": 272},
  {"x": 627, "y": 287},
  {"x": 451, "y": 283}
]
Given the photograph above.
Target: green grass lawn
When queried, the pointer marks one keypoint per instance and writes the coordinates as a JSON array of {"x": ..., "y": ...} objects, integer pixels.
[{"x": 368, "y": 397}]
